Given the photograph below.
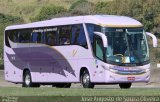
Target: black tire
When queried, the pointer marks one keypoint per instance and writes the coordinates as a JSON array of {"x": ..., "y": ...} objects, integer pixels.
[
  {"x": 27, "y": 80},
  {"x": 85, "y": 80},
  {"x": 62, "y": 85},
  {"x": 125, "y": 85}
]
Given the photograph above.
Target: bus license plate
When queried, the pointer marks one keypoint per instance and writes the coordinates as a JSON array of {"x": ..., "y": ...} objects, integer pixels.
[{"x": 131, "y": 78}]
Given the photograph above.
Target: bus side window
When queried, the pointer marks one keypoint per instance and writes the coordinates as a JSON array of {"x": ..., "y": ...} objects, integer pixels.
[
  {"x": 98, "y": 47},
  {"x": 51, "y": 38},
  {"x": 65, "y": 35},
  {"x": 91, "y": 28},
  {"x": 7, "y": 38},
  {"x": 24, "y": 36},
  {"x": 75, "y": 34},
  {"x": 37, "y": 37},
  {"x": 34, "y": 37},
  {"x": 78, "y": 36},
  {"x": 21, "y": 38},
  {"x": 13, "y": 36}
]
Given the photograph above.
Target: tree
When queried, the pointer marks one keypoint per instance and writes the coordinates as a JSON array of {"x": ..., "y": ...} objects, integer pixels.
[
  {"x": 82, "y": 7},
  {"x": 48, "y": 11},
  {"x": 6, "y": 20}
]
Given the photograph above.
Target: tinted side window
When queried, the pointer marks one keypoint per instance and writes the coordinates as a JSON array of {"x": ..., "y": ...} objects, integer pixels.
[
  {"x": 64, "y": 35},
  {"x": 45, "y": 36},
  {"x": 24, "y": 36},
  {"x": 13, "y": 35},
  {"x": 51, "y": 38},
  {"x": 98, "y": 47},
  {"x": 37, "y": 37},
  {"x": 17, "y": 36},
  {"x": 78, "y": 36},
  {"x": 91, "y": 28},
  {"x": 6, "y": 38}
]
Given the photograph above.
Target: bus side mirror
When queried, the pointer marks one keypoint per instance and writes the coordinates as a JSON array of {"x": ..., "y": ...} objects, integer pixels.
[
  {"x": 154, "y": 39},
  {"x": 104, "y": 38}
]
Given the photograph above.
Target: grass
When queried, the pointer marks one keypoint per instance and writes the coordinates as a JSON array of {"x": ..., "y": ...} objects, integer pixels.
[
  {"x": 11, "y": 91},
  {"x": 75, "y": 95}
]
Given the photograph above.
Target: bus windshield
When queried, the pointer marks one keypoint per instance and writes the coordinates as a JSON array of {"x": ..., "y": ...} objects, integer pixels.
[{"x": 126, "y": 46}]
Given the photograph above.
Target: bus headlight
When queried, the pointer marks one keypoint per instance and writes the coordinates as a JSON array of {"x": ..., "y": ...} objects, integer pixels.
[{"x": 112, "y": 70}]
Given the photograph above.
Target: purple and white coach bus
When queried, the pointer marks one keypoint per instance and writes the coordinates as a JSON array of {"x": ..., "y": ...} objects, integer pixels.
[{"x": 92, "y": 49}]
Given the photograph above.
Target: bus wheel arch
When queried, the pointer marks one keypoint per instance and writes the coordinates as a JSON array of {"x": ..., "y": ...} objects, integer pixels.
[
  {"x": 27, "y": 79},
  {"x": 85, "y": 78}
]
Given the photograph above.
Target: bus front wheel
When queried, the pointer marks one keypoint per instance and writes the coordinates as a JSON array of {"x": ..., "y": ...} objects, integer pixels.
[
  {"x": 85, "y": 80},
  {"x": 125, "y": 85},
  {"x": 27, "y": 80}
]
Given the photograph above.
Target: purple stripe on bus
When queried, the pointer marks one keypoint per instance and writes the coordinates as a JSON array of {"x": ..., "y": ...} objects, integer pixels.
[{"x": 40, "y": 59}]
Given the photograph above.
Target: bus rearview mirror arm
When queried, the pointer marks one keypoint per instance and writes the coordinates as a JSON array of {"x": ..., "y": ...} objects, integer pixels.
[
  {"x": 104, "y": 38},
  {"x": 154, "y": 39}
]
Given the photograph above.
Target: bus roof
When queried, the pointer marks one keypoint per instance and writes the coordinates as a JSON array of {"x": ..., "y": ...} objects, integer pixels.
[{"x": 103, "y": 20}]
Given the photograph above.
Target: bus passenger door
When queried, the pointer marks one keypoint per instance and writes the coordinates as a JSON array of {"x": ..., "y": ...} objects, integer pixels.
[{"x": 98, "y": 50}]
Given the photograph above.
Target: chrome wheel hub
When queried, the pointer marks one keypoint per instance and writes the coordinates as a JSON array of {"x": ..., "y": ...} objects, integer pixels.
[
  {"x": 86, "y": 78},
  {"x": 27, "y": 80}
]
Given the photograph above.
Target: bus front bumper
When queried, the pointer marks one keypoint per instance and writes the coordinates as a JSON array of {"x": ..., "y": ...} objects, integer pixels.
[{"x": 113, "y": 77}]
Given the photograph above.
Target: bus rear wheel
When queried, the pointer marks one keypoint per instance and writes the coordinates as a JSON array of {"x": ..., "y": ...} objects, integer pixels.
[
  {"x": 125, "y": 85},
  {"x": 27, "y": 80},
  {"x": 85, "y": 80}
]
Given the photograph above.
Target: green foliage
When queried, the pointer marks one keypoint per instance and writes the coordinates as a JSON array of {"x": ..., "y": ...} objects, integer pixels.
[
  {"x": 146, "y": 11},
  {"x": 82, "y": 8},
  {"x": 76, "y": 4},
  {"x": 9, "y": 19},
  {"x": 6, "y": 20},
  {"x": 48, "y": 11},
  {"x": 100, "y": 7}
]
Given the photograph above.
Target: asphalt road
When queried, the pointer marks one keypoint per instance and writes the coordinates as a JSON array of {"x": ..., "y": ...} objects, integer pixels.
[{"x": 154, "y": 82}]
